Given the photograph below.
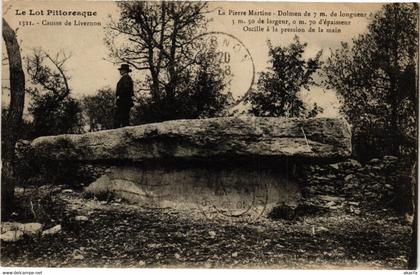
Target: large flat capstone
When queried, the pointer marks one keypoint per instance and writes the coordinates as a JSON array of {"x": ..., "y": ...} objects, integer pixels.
[
  {"x": 231, "y": 137},
  {"x": 234, "y": 168}
]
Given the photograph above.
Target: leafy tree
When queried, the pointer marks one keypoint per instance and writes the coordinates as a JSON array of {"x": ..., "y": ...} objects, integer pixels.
[
  {"x": 13, "y": 118},
  {"x": 99, "y": 109},
  {"x": 24, "y": 132},
  {"x": 200, "y": 94},
  {"x": 278, "y": 88},
  {"x": 53, "y": 109},
  {"x": 375, "y": 76},
  {"x": 376, "y": 80},
  {"x": 205, "y": 96},
  {"x": 161, "y": 39},
  {"x": 53, "y": 117}
]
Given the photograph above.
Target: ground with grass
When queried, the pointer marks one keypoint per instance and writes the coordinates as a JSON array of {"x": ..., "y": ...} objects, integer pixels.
[{"x": 117, "y": 234}]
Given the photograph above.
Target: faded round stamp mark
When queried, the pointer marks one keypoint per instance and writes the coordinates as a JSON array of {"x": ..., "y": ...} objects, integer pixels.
[
  {"x": 236, "y": 62},
  {"x": 234, "y": 197}
]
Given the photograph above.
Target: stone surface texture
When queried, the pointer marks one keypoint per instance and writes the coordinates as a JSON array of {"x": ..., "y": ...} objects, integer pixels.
[
  {"x": 215, "y": 193},
  {"x": 321, "y": 138},
  {"x": 232, "y": 167}
]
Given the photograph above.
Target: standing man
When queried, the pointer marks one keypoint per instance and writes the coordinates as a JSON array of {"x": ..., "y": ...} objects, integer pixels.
[{"x": 124, "y": 96}]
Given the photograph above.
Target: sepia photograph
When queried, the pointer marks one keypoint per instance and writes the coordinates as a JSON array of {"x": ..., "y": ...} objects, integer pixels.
[{"x": 209, "y": 135}]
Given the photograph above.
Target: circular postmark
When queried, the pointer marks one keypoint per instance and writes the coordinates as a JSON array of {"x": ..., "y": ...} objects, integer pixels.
[
  {"x": 236, "y": 62},
  {"x": 234, "y": 195}
]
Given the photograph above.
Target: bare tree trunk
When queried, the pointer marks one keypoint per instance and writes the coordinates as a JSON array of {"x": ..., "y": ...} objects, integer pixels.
[
  {"x": 172, "y": 56},
  {"x": 13, "y": 118},
  {"x": 412, "y": 261}
]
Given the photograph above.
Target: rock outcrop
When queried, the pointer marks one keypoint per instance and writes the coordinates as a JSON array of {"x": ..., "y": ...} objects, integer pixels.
[
  {"x": 212, "y": 192},
  {"x": 319, "y": 138},
  {"x": 376, "y": 185},
  {"x": 222, "y": 167}
]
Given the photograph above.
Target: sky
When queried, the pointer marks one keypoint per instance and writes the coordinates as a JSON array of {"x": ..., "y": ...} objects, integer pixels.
[{"x": 90, "y": 69}]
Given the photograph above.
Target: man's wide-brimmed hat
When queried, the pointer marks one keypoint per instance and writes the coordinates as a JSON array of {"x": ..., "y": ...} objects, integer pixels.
[{"x": 125, "y": 67}]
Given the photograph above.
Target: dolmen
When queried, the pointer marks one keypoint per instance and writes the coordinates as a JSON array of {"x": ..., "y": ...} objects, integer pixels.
[{"x": 228, "y": 168}]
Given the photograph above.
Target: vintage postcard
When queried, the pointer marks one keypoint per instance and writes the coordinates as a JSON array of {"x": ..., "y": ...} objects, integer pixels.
[{"x": 162, "y": 134}]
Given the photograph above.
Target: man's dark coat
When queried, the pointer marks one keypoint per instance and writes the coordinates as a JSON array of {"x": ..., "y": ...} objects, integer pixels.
[
  {"x": 124, "y": 102},
  {"x": 125, "y": 92}
]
